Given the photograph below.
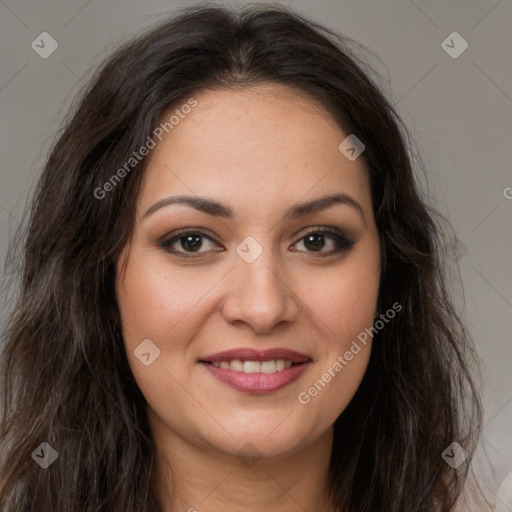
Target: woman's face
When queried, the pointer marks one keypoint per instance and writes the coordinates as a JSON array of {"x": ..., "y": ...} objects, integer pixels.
[{"x": 249, "y": 275}]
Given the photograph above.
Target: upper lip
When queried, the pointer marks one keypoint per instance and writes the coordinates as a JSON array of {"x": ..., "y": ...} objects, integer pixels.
[{"x": 249, "y": 354}]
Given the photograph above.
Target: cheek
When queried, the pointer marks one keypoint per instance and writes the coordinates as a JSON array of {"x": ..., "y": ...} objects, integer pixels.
[
  {"x": 153, "y": 304},
  {"x": 347, "y": 307},
  {"x": 346, "y": 299},
  {"x": 154, "y": 298},
  {"x": 345, "y": 303},
  {"x": 331, "y": 389}
]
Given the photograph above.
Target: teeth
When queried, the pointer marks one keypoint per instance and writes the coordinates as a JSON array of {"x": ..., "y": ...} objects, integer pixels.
[
  {"x": 252, "y": 367},
  {"x": 272, "y": 366},
  {"x": 237, "y": 365},
  {"x": 268, "y": 366}
]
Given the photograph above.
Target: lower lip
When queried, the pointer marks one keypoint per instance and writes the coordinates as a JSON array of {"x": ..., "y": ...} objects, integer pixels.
[{"x": 257, "y": 382}]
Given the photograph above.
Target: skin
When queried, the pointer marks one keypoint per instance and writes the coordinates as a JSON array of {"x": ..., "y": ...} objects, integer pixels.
[{"x": 258, "y": 150}]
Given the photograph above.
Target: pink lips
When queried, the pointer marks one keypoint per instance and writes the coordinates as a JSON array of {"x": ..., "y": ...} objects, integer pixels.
[{"x": 257, "y": 383}]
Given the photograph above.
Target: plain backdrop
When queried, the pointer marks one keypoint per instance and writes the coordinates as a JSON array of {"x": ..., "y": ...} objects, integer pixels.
[{"x": 458, "y": 109}]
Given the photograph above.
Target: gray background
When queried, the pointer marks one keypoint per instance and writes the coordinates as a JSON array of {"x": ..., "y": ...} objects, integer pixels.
[{"x": 459, "y": 110}]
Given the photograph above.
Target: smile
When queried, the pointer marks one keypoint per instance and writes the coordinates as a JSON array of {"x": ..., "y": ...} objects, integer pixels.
[
  {"x": 256, "y": 371},
  {"x": 272, "y": 366}
]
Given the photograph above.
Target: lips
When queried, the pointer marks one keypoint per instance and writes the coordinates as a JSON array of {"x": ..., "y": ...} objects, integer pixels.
[{"x": 254, "y": 371}]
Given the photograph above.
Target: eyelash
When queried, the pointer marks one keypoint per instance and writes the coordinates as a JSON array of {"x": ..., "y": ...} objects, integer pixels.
[{"x": 343, "y": 243}]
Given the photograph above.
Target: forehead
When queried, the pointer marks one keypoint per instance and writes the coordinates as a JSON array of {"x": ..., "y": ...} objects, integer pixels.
[{"x": 263, "y": 145}]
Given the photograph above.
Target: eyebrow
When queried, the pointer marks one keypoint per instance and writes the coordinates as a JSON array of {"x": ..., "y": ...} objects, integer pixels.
[{"x": 214, "y": 208}]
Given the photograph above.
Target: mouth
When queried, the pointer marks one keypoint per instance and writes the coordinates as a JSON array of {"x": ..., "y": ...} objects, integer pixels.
[
  {"x": 247, "y": 366},
  {"x": 257, "y": 372}
]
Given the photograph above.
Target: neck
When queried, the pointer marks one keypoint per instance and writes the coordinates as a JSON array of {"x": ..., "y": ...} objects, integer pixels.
[{"x": 192, "y": 478}]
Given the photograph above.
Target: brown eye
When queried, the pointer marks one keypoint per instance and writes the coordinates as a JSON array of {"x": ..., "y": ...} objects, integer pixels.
[
  {"x": 193, "y": 242},
  {"x": 316, "y": 241},
  {"x": 188, "y": 242}
]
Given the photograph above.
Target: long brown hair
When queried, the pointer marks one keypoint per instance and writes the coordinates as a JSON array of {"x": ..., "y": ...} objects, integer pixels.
[{"x": 65, "y": 375}]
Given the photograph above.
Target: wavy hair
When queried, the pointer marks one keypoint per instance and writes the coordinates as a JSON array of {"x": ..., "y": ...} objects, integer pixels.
[{"x": 65, "y": 374}]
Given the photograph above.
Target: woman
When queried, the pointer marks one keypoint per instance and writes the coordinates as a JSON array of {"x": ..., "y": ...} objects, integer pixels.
[{"x": 233, "y": 294}]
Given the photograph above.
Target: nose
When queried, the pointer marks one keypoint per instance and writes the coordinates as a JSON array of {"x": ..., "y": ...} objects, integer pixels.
[{"x": 258, "y": 295}]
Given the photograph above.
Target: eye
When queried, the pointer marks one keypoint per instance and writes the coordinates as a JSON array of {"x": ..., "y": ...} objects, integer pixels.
[
  {"x": 316, "y": 240},
  {"x": 188, "y": 243}
]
